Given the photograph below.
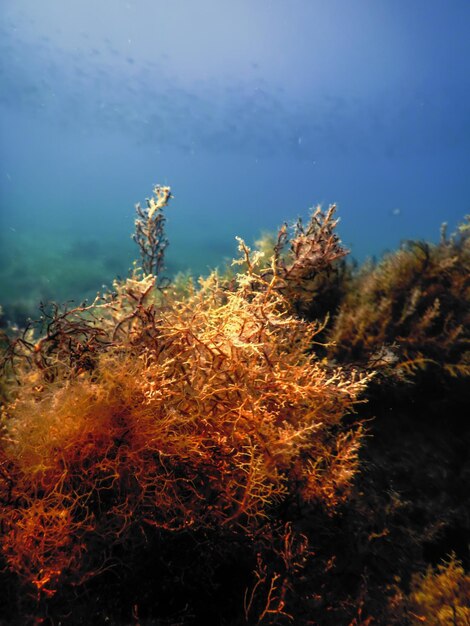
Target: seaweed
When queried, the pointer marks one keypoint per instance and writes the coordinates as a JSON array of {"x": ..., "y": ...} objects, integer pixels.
[
  {"x": 188, "y": 452},
  {"x": 149, "y": 232},
  {"x": 155, "y": 416},
  {"x": 411, "y": 312}
]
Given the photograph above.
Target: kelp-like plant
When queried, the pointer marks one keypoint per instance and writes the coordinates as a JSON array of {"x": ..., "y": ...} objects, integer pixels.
[
  {"x": 411, "y": 312},
  {"x": 149, "y": 417}
]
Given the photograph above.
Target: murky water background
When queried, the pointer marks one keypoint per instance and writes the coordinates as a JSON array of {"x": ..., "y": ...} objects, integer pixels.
[{"x": 252, "y": 111}]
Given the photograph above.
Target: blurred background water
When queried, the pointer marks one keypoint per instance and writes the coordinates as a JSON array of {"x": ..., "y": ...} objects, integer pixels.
[{"x": 253, "y": 111}]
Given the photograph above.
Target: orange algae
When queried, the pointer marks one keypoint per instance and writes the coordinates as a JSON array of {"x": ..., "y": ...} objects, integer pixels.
[{"x": 174, "y": 410}]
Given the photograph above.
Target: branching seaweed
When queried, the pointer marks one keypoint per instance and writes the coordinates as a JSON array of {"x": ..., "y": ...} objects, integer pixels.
[
  {"x": 152, "y": 413},
  {"x": 150, "y": 231},
  {"x": 305, "y": 265}
]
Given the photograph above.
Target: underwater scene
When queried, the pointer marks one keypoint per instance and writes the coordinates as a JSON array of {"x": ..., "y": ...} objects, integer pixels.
[{"x": 234, "y": 313}]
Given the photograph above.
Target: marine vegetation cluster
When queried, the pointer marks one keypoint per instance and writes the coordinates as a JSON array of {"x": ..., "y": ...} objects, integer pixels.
[
  {"x": 415, "y": 304},
  {"x": 254, "y": 447}
]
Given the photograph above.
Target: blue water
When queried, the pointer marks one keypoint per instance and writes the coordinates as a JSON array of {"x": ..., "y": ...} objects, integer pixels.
[{"x": 252, "y": 112}]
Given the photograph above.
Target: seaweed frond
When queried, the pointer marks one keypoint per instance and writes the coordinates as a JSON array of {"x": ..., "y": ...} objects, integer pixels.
[
  {"x": 150, "y": 231},
  {"x": 304, "y": 264}
]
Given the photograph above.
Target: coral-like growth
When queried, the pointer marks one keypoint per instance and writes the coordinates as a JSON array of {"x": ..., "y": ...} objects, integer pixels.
[
  {"x": 149, "y": 416},
  {"x": 412, "y": 311}
]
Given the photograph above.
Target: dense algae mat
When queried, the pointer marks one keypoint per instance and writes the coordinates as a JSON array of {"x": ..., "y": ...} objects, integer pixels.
[{"x": 195, "y": 454}]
